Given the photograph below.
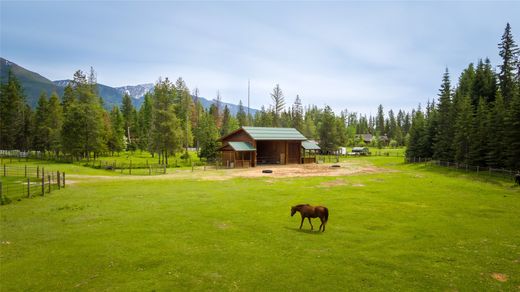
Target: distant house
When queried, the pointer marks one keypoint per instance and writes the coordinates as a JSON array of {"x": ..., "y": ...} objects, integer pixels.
[
  {"x": 368, "y": 138},
  {"x": 250, "y": 146}
]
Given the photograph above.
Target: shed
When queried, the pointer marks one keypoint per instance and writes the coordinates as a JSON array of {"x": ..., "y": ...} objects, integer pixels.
[{"x": 249, "y": 146}]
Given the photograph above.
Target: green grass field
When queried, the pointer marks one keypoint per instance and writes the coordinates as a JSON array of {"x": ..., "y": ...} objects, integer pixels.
[{"x": 409, "y": 227}]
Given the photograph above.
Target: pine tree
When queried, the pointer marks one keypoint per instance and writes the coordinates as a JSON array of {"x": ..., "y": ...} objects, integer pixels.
[
  {"x": 166, "y": 133},
  {"x": 207, "y": 135},
  {"x": 116, "y": 141},
  {"x": 496, "y": 156},
  {"x": 12, "y": 109},
  {"x": 513, "y": 133},
  {"x": 127, "y": 111},
  {"x": 297, "y": 114},
  {"x": 463, "y": 127},
  {"x": 328, "y": 131},
  {"x": 415, "y": 147},
  {"x": 380, "y": 120},
  {"x": 41, "y": 140},
  {"x": 509, "y": 53},
  {"x": 278, "y": 104},
  {"x": 241, "y": 115},
  {"x": 226, "y": 122},
  {"x": 479, "y": 135},
  {"x": 55, "y": 123},
  {"x": 485, "y": 83},
  {"x": 442, "y": 148},
  {"x": 145, "y": 123}
]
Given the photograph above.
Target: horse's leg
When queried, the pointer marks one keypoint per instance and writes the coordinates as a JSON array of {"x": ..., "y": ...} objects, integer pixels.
[
  {"x": 324, "y": 223},
  {"x": 321, "y": 219},
  {"x": 312, "y": 227},
  {"x": 301, "y": 224}
]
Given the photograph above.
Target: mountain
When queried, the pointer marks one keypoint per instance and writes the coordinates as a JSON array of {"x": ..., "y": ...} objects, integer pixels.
[
  {"x": 33, "y": 84},
  {"x": 136, "y": 91}
]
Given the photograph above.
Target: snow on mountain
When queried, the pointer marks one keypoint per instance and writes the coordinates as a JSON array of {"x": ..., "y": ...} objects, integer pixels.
[{"x": 136, "y": 91}]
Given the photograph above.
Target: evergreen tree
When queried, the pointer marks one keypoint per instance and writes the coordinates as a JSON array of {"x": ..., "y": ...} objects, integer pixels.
[
  {"x": 496, "y": 156},
  {"x": 55, "y": 123},
  {"x": 513, "y": 133},
  {"x": 509, "y": 53},
  {"x": 463, "y": 126},
  {"x": 415, "y": 147},
  {"x": 278, "y": 104},
  {"x": 226, "y": 122},
  {"x": 380, "y": 120},
  {"x": 12, "y": 113},
  {"x": 116, "y": 141},
  {"x": 297, "y": 114},
  {"x": 479, "y": 135},
  {"x": 241, "y": 115},
  {"x": 128, "y": 113},
  {"x": 145, "y": 123},
  {"x": 207, "y": 135},
  {"x": 442, "y": 148},
  {"x": 485, "y": 83},
  {"x": 41, "y": 140},
  {"x": 83, "y": 131},
  {"x": 328, "y": 131},
  {"x": 166, "y": 134}
]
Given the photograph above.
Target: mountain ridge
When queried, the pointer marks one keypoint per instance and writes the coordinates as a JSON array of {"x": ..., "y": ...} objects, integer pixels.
[{"x": 34, "y": 84}]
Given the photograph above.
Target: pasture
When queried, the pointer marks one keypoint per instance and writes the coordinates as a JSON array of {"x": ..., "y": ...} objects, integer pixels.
[{"x": 403, "y": 227}]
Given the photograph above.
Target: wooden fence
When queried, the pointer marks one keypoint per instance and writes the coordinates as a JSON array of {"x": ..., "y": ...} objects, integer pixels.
[
  {"x": 479, "y": 170},
  {"x": 17, "y": 182}
]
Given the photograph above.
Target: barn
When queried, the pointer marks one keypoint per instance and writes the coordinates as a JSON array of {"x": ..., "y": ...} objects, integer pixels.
[{"x": 250, "y": 146}]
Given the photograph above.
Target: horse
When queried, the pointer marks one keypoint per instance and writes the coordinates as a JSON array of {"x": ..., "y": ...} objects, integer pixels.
[
  {"x": 308, "y": 211},
  {"x": 517, "y": 178}
]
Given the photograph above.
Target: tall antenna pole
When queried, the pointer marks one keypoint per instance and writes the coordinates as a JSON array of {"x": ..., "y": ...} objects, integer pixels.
[{"x": 248, "y": 90}]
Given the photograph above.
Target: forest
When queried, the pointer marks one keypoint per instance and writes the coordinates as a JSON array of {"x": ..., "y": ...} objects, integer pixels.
[{"x": 476, "y": 122}]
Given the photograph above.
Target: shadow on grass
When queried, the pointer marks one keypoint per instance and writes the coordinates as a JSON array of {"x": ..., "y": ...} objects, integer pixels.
[
  {"x": 483, "y": 176},
  {"x": 308, "y": 231}
]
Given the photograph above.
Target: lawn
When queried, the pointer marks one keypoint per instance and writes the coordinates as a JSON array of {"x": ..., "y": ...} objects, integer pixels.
[{"x": 410, "y": 227}]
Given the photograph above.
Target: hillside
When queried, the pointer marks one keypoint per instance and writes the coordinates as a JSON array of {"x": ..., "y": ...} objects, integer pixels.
[{"x": 33, "y": 84}]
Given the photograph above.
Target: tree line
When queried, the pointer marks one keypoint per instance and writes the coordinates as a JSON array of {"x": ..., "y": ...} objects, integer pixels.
[
  {"x": 170, "y": 120},
  {"x": 476, "y": 122}
]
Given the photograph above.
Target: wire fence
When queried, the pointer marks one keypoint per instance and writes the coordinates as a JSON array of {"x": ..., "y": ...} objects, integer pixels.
[
  {"x": 17, "y": 182},
  {"x": 479, "y": 170}
]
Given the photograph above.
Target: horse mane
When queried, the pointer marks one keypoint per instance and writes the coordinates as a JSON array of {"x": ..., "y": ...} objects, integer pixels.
[{"x": 301, "y": 205}]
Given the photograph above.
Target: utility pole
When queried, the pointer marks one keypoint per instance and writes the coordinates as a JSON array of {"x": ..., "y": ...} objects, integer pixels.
[{"x": 248, "y": 100}]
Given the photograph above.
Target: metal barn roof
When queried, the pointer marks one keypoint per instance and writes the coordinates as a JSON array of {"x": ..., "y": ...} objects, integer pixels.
[
  {"x": 264, "y": 133},
  {"x": 310, "y": 145},
  {"x": 241, "y": 146}
]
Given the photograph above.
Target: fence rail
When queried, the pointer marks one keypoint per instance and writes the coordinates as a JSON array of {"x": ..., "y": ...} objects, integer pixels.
[
  {"x": 465, "y": 167},
  {"x": 17, "y": 182}
]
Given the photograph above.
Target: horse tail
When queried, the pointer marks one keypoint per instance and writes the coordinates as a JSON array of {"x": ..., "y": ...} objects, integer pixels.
[{"x": 326, "y": 214}]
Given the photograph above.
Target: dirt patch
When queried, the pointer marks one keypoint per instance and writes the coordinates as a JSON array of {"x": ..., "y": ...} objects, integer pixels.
[
  {"x": 279, "y": 171},
  {"x": 358, "y": 185},
  {"x": 333, "y": 183},
  {"x": 499, "y": 277}
]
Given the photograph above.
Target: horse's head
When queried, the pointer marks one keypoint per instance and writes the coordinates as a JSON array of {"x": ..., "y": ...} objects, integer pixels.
[{"x": 293, "y": 210}]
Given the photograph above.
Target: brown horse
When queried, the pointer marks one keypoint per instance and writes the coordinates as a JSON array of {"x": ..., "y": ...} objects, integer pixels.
[{"x": 308, "y": 211}]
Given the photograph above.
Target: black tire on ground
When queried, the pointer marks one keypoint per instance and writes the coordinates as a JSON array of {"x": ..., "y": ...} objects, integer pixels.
[
  {"x": 336, "y": 165},
  {"x": 267, "y": 171}
]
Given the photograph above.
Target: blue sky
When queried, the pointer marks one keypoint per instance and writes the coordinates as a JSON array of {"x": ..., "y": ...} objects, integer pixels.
[{"x": 353, "y": 55}]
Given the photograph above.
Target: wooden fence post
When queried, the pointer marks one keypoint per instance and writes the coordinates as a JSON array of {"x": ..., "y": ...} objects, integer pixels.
[
  {"x": 25, "y": 170},
  {"x": 49, "y": 183},
  {"x": 63, "y": 180},
  {"x": 43, "y": 185},
  {"x": 192, "y": 167},
  {"x": 28, "y": 187},
  {"x": 5, "y": 170},
  {"x": 59, "y": 179}
]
